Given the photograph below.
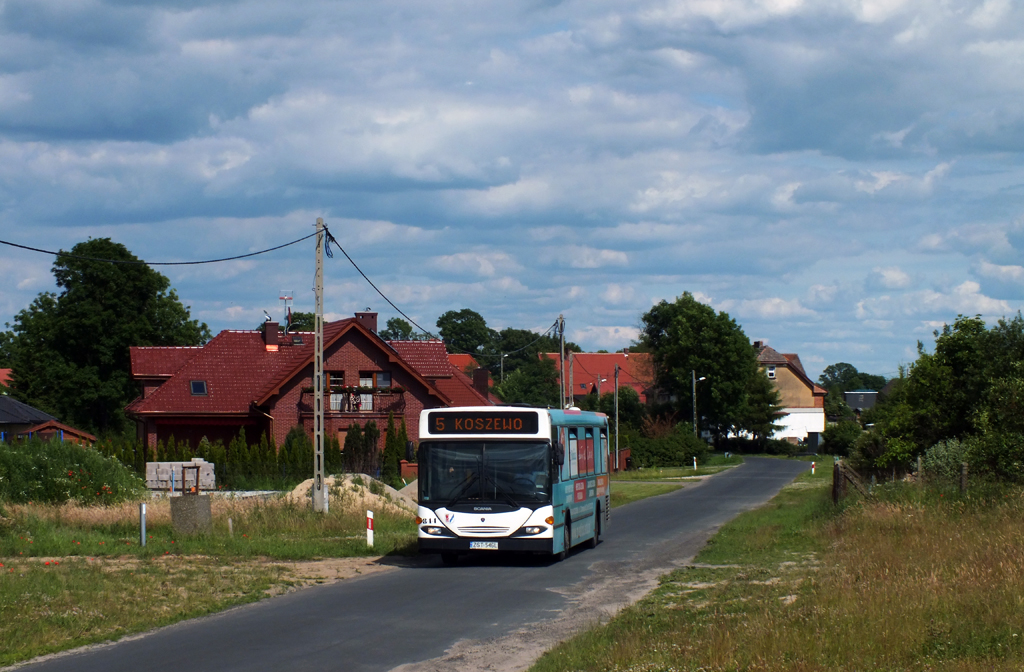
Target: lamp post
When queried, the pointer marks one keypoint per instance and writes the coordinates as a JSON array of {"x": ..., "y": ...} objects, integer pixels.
[
  {"x": 503, "y": 356},
  {"x": 695, "y": 379},
  {"x": 599, "y": 381}
]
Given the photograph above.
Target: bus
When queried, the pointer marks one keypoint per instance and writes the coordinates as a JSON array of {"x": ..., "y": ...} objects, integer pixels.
[{"x": 510, "y": 478}]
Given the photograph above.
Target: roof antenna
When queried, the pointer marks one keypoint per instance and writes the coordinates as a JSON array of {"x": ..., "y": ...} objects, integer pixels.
[{"x": 268, "y": 318}]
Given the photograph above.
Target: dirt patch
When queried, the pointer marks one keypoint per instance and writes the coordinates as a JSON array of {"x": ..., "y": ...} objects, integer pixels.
[
  {"x": 361, "y": 491},
  {"x": 330, "y": 570}
]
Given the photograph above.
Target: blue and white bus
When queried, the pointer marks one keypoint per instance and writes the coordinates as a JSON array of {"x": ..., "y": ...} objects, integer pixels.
[{"x": 510, "y": 478}]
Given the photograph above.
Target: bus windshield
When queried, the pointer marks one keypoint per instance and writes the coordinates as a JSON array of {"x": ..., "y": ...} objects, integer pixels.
[{"x": 511, "y": 472}]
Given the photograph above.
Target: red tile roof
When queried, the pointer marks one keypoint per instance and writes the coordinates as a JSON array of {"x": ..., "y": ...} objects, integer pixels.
[
  {"x": 459, "y": 388},
  {"x": 635, "y": 370},
  {"x": 463, "y": 362},
  {"x": 5, "y": 376},
  {"x": 159, "y": 362},
  {"x": 239, "y": 371},
  {"x": 60, "y": 427},
  {"x": 430, "y": 358}
]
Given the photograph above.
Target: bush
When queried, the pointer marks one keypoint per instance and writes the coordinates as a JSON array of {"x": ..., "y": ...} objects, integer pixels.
[
  {"x": 841, "y": 437},
  {"x": 55, "y": 472},
  {"x": 997, "y": 454},
  {"x": 943, "y": 460},
  {"x": 675, "y": 449}
]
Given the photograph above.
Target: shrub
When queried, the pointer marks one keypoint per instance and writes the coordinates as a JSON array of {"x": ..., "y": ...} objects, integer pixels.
[
  {"x": 674, "y": 449},
  {"x": 56, "y": 472},
  {"x": 942, "y": 461},
  {"x": 841, "y": 437}
]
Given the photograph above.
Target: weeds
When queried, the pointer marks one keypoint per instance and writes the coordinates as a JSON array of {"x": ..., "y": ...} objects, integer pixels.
[{"x": 915, "y": 579}]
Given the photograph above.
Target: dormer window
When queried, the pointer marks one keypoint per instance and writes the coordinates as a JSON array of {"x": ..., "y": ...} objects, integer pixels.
[
  {"x": 771, "y": 372},
  {"x": 198, "y": 388}
]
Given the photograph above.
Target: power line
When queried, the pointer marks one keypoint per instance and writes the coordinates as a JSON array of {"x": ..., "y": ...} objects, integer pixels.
[
  {"x": 154, "y": 263},
  {"x": 332, "y": 239}
]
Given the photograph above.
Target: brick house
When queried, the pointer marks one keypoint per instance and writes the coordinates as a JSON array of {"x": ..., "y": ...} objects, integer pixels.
[
  {"x": 803, "y": 401},
  {"x": 263, "y": 382}
]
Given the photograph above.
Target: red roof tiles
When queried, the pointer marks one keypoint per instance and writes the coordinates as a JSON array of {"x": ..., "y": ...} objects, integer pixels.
[
  {"x": 635, "y": 370},
  {"x": 430, "y": 358},
  {"x": 159, "y": 362}
]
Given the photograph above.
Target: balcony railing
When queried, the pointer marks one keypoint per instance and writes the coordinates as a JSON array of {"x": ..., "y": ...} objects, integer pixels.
[{"x": 356, "y": 403}]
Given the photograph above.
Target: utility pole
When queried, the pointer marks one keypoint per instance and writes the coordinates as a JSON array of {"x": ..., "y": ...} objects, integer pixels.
[
  {"x": 561, "y": 360},
  {"x": 319, "y": 493},
  {"x": 695, "y": 379},
  {"x": 572, "y": 384},
  {"x": 616, "y": 417}
]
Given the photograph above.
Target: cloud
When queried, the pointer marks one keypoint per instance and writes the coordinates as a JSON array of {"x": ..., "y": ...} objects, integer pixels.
[
  {"x": 889, "y": 278},
  {"x": 482, "y": 263},
  {"x": 582, "y": 256},
  {"x": 606, "y": 338},
  {"x": 966, "y": 298},
  {"x": 769, "y": 308}
]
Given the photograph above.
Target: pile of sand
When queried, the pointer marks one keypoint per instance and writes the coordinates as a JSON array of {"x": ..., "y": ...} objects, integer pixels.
[{"x": 355, "y": 490}]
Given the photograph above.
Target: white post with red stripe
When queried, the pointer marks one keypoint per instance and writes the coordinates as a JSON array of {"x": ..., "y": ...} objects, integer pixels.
[
  {"x": 812, "y": 468},
  {"x": 369, "y": 529}
]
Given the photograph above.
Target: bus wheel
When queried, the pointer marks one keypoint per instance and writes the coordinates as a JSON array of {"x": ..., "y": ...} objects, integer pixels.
[
  {"x": 450, "y": 559},
  {"x": 596, "y": 539},
  {"x": 566, "y": 538}
]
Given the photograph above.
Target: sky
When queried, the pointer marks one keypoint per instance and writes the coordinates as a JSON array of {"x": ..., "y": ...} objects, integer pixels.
[{"x": 841, "y": 176}]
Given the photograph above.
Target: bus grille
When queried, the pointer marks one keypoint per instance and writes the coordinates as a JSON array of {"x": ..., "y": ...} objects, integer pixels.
[{"x": 483, "y": 529}]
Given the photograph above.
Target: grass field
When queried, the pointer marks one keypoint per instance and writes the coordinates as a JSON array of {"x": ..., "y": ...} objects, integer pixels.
[
  {"x": 624, "y": 493},
  {"x": 913, "y": 580},
  {"x": 714, "y": 464}
]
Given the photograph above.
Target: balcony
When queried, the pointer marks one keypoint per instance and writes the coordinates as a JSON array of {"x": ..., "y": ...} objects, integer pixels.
[{"x": 357, "y": 403}]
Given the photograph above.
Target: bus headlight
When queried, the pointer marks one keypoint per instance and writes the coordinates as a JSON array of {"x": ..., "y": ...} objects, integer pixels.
[
  {"x": 532, "y": 529},
  {"x": 435, "y": 531}
]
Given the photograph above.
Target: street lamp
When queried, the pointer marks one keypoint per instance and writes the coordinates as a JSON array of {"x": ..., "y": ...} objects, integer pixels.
[
  {"x": 695, "y": 379},
  {"x": 599, "y": 381},
  {"x": 503, "y": 367}
]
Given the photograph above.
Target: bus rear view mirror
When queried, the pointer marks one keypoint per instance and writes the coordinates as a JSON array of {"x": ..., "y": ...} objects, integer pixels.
[
  {"x": 410, "y": 451},
  {"x": 559, "y": 453}
]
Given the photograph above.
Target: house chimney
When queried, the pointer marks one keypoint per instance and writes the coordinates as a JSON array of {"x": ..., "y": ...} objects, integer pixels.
[
  {"x": 481, "y": 380},
  {"x": 368, "y": 320},
  {"x": 270, "y": 336},
  {"x": 757, "y": 345}
]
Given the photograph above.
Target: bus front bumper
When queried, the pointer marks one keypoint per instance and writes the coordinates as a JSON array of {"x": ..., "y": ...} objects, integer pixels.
[{"x": 463, "y": 545}]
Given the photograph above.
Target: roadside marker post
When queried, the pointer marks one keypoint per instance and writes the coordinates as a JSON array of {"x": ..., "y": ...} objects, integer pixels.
[
  {"x": 695, "y": 463},
  {"x": 369, "y": 529},
  {"x": 812, "y": 468},
  {"x": 142, "y": 523}
]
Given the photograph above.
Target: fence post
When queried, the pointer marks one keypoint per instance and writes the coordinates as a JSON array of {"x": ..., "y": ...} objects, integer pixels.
[
  {"x": 963, "y": 478},
  {"x": 920, "y": 469},
  {"x": 837, "y": 479}
]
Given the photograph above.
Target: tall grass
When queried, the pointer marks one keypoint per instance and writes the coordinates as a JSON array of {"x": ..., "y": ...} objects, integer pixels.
[
  {"x": 54, "y": 471},
  {"x": 914, "y": 580}
]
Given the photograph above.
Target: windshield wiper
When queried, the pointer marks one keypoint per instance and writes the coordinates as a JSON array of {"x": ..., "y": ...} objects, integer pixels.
[
  {"x": 462, "y": 490},
  {"x": 508, "y": 497}
]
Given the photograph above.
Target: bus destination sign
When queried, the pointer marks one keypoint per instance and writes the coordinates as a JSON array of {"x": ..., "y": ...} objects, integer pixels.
[{"x": 483, "y": 422}]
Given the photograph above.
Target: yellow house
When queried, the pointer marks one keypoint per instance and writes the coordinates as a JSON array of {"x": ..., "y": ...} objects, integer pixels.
[{"x": 803, "y": 401}]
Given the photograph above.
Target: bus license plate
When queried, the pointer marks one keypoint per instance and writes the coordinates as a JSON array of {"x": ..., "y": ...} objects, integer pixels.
[{"x": 483, "y": 545}]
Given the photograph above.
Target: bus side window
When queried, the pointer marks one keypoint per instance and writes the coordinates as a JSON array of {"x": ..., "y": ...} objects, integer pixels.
[
  {"x": 602, "y": 454},
  {"x": 588, "y": 457},
  {"x": 573, "y": 455}
]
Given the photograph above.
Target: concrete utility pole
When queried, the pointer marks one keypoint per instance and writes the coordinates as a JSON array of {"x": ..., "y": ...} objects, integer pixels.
[
  {"x": 319, "y": 492},
  {"x": 572, "y": 383},
  {"x": 616, "y": 417}
]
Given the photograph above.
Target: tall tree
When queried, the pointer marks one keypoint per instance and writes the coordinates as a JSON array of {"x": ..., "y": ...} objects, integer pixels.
[
  {"x": 535, "y": 383},
  {"x": 69, "y": 351},
  {"x": 686, "y": 336},
  {"x": 397, "y": 329},
  {"x": 465, "y": 331},
  {"x": 845, "y": 377}
]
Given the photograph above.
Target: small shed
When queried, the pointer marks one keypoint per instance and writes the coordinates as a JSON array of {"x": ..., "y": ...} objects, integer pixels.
[{"x": 52, "y": 429}]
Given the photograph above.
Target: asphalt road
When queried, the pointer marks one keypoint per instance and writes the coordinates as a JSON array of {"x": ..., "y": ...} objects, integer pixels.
[{"x": 416, "y": 613}]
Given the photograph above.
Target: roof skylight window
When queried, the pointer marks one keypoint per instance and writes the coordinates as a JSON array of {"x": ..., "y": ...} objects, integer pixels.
[{"x": 198, "y": 388}]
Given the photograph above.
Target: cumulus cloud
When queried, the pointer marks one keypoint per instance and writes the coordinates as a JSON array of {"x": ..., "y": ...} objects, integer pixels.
[{"x": 781, "y": 156}]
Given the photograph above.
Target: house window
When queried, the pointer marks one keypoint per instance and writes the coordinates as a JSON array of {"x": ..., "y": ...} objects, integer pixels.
[
  {"x": 771, "y": 372},
  {"x": 374, "y": 379},
  {"x": 335, "y": 386},
  {"x": 198, "y": 388}
]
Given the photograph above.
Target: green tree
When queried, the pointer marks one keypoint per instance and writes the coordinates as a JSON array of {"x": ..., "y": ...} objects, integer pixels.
[
  {"x": 355, "y": 448},
  {"x": 763, "y": 408},
  {"x": 534, "y": 383},
  {"x": 519, "y": 347},
  {"x": 398, "y": 329},
  {"x": 70, "y": 351},
  {"x": 391, "y": 469},
  {"x": 687, "y": 335},
  {"x": 845, "y": 377},
  {"x": 465, "y": 331}
]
